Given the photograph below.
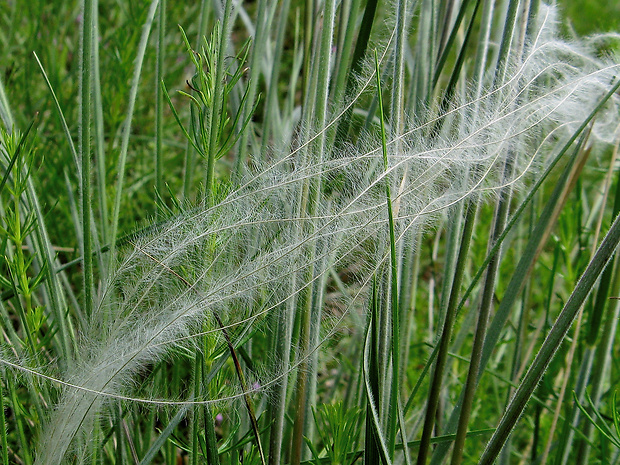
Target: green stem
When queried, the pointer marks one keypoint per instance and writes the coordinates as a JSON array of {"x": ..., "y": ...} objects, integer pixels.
[
  {"x": 26, "y": 456},
  {"x": 444, "y": 342},
  {"x": 3, "y": 443},
  {"x": 215, "y": 112},
  {"x": 133, "y": 92},
  {"x": 552, "y": 343},
  {"x": 394, "y": 319},
  {"x": 481, "y": 328},
  {"x": 88, "y": 27},
  {"x": 159, "y": 98}
]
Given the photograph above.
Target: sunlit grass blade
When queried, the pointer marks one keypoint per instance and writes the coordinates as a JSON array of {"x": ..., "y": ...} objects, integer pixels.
[
  {"x": 61, "y": 115},
  {"x": 599, "y": 422}
]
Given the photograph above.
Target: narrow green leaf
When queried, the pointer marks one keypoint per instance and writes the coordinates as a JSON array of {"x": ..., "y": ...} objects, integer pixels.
[
  {"x": 15, "y": 156},
  {"x": 552, "y": 343}
]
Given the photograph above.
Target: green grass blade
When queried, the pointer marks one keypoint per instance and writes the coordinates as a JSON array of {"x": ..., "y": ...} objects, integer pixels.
[
  {"x": 595, "y": 315},
  {"x": 444, "y": 342},
  {"x": 376, "y": 448},
  {"x": 3, "y": 429},
  {"x": 316, "y": 79},
  {"x": 348, "y": 15},
  {"x": 410, "y": 445},
  {"x": 537, "y": 240},
  {"x": 99, "y": 138},
  {"x": 552, "y": 342},
  {"x": 159, "y": 98},
  {"x": 361, "y": 45},
  {"x": 88, "y": 28},
  {"x": 460, "y": 61},
  {"x": 602, "y": 343},
  {"x": 61, "y": 115},
  {"x": 471, "y": 383},
  {"x": 133, "y": 92},
  {"x": 189, "y": 138},
  {"x": 528, "y": 257},
  {"x": 259, "y": 43},
  {"x": 156, "y": 446},
  {"x": 272, "y": 117},
  {"x": 599, "y": 422},
  {"x": 5, "y": 109},
  {"x": 394, "y": 318},
  {"x": 197, "y": 410},
  {"x": 403, "y": 431},
  {"x": 451, "y": 40},
  {"x": 26, "y": 453},
  {"x": 506, "y": 42}
]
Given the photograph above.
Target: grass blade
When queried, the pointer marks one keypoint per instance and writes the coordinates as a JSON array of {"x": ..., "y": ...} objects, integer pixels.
[
  {"x": 551, "y": 344},
  {"x": 88, "y": 28},
  {"x": 122, "y": 157}
]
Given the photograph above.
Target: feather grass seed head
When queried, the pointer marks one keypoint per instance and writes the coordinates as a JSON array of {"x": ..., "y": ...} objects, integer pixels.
[{"x": 241, "y": 260}]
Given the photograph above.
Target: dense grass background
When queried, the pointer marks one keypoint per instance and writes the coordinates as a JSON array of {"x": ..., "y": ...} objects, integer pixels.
[{"x": 243, "y": 273}]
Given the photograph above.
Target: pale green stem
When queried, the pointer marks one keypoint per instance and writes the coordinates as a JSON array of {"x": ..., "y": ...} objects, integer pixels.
[
  {"x": 88, "y": 29},
  {"x": 159, "y": 98},
  {"x": 259, "y": 50},
  {"x": 392, "y": 318},
  {"x": 272, "y": 117},
  {"x": 317, "y": 78},
  {"x": 214, "y": 113},
  {"x": 99, "y": 139},
  {"x": 122, "y": 157}
]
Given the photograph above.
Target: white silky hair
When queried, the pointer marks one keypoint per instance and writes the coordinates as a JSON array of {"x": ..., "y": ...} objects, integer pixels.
[{"x": 239, "y": 255}]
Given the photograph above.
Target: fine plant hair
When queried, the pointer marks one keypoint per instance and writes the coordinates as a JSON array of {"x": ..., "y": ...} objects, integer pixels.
[
  {"x": 218, "y": 273},
  {"x": 145, "y": 312}
]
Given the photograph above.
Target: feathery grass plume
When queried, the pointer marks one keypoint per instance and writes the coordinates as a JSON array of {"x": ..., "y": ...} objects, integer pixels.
[{"x": 144, "y": 311}]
